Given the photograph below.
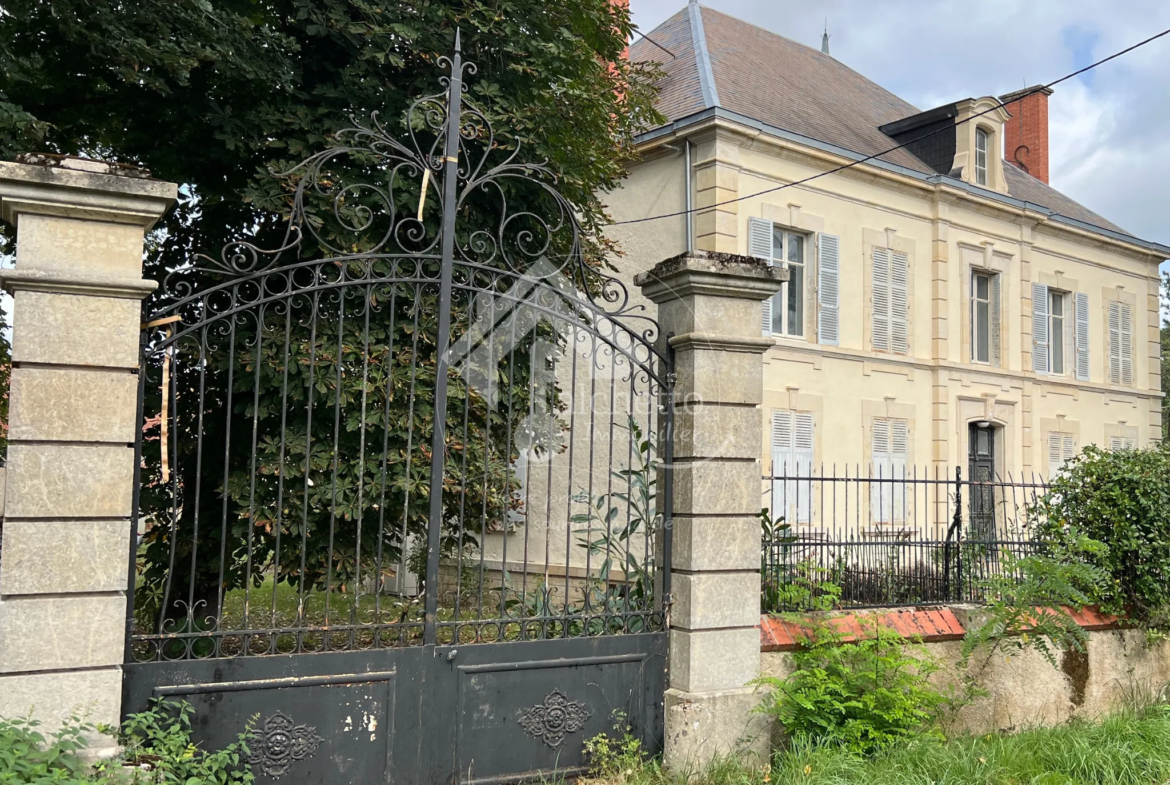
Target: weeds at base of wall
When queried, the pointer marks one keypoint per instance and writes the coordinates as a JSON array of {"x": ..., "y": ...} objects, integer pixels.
[
  {"x": 157, "y": 748},
  {"x": 1127, "y": 748}
]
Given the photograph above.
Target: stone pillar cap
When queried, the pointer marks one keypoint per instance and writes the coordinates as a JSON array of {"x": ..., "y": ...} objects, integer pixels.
[
  {"x": 713, "y": 274},
  {"x": 82, "y": 188}
]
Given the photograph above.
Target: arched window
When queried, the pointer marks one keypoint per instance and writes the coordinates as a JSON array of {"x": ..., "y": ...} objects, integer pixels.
[{"x": 980, "y": 156}]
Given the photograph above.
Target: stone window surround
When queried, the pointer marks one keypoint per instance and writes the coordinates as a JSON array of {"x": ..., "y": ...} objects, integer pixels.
[
  {"x": 998, "y": 263},
  {"x": 1061, "y": 282},
  {"x": 791, "y": 217},
  {"x": 886, "y": 238}
]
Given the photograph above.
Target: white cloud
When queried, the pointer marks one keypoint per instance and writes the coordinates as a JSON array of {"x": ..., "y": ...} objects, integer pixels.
[{"x": 1110, "y": 149}]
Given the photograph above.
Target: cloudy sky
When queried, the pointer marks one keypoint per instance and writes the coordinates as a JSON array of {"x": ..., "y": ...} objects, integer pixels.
[{"x": 1109, "y": 128}]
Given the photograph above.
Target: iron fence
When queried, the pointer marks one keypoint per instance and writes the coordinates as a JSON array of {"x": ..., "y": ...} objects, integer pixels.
[{"x": 868, "y": 538}]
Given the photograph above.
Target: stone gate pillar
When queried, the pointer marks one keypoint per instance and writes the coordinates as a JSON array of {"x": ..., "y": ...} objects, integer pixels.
[
  {"x": 78, "y": 292},
  {"x": 709, "y": 307}
]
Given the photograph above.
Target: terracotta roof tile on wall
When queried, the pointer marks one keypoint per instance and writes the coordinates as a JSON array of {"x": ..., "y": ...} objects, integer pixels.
[{"x": 794, "y": 87}]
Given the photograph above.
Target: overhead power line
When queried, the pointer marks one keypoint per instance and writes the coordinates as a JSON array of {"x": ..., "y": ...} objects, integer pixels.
[{"x": 851, "y": 164}]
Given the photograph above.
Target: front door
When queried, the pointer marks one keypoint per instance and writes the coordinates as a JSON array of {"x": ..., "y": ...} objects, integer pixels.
[{"x": 981, "y": 471}]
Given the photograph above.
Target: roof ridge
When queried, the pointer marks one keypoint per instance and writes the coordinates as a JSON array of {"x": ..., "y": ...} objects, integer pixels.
[{"x": 702, "y": 56}]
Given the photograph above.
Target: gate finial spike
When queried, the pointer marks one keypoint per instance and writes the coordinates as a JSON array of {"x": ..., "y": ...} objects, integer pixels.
[{"x": 457, "y": 44}]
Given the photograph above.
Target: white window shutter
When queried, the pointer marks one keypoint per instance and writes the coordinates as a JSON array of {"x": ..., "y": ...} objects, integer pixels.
[
  {"x": 899, "y": 457},
  {"x": 1068, "y": 447},
  {"x": 1126, "y": 345},
  {"x": 880, "y": 470},
  {"x": 760, "y": 246},
  {"x": 899, "y": 302},
  {"x": 803, "y": 455},
  {"x": 1055, "y": 453},
  {"x": 781, "y": 461},
  {"x": 995, "y": 320},
  {"x": 1115, "y": 342},
  {"x": 881, "y": 299},
  {"x": 1081, "y": 339},
  {"x": 828, "y": 289},
  {"x": 1039, "y": 328}
]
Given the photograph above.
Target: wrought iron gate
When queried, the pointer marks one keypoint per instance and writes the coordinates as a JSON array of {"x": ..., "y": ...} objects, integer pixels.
[{"x": 406, "y": 479}]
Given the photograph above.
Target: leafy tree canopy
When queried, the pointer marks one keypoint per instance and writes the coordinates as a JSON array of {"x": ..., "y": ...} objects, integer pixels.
[{"x": 215, "y": 94}]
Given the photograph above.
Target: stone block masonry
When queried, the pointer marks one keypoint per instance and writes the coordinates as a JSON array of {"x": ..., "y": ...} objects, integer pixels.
[
  {"x": 706, "y": 303},
  {"x": 77, "y": 291}
]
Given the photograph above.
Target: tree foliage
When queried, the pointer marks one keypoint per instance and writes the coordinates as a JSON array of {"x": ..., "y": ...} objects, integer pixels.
[
  {"x": 218, "y": 94},
  {"x": 1120, "y": 499}
]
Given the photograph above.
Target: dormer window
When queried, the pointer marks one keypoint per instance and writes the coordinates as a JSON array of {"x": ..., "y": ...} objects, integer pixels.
[{"x": 980, "y": 157}]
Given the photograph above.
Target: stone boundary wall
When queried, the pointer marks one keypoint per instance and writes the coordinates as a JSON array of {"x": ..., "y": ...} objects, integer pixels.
[{"x": 1023, "y": 689}]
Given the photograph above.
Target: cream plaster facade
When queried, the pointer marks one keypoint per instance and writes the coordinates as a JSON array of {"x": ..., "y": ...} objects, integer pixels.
[{"x": 946, "y": 228}]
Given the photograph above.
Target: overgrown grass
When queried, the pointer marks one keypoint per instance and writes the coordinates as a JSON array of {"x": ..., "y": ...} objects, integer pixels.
[{"x": 1130, "y": 748}]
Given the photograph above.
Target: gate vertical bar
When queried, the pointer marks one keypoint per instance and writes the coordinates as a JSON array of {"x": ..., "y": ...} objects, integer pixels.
[
  {"x": 668, "y": 479},
  {"x": 438, "y": 442}
]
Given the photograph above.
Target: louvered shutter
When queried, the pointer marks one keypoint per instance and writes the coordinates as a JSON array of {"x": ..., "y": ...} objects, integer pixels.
[
  {"x": 880, "y": 470},
  {"x": 1061, "y": 449},
  {"x": 1126, "y": 346},
  {"x": 802, "y": 451},
  {"x": 1120, "y": 345},
  {"x": 792, "y": 459},
  {"x": 1081, "y": 337},
  {"x": 1039, "y": 328},
  {"x": 995, "y": 320},
  {"x": 1122, "y": 443},
  {"x": 899, "y": 302},
  {"x": 828, "y": 289},
  {"x": 1068, "y": 448},
  {"x": 760, "y": 246},
  {"x": 781, "y": 461},
  {"x": 899, "y": 449},
  {"x": 881, "y": 299}
]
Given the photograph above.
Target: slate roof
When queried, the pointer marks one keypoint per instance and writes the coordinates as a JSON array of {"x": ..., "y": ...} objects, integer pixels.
[{"x": 785, "y": 84}]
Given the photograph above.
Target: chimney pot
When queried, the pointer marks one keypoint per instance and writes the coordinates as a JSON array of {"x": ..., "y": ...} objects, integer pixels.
[{"x": 1026, "y": 132}]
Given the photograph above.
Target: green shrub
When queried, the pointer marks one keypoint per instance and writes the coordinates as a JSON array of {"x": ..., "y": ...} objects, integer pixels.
[
  {"x": 1025, "y": 598},
  {"x": 28, "y": 756},
  {"x": 864, "y": 695},
  {"x": 1122, "y": 499},
  {"x": 161, "y": 737}
]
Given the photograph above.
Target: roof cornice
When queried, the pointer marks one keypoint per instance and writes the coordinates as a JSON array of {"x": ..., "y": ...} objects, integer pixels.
[
  {"x": 686, "y": 125},
  {"x": 702, "y": 56}
]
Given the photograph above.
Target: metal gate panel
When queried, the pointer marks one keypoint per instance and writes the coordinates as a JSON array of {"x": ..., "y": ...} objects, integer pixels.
[
  {"x": 473, "y": 407},
  {"x": 539, "y": 701},
  {"x": 322, "y": 719}
]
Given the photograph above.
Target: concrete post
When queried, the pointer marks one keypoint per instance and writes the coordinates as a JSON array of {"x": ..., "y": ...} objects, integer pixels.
[
  {"x": 710, "y": 302},
  {"x": 78, "y": 292}
]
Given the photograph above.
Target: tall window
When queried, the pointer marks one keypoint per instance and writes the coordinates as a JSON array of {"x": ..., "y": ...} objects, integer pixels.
[
  {"x": 1060, "y": 332},
  {"x": 984, "y": 317},
  {"x": 784, "y": 312},
  {"x": 980, "y": 156},
  {"x": 1056, "y": 325}
]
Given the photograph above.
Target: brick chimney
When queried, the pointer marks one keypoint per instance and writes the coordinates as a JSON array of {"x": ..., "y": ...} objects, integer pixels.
[{"x": 1026, "y": 133}]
